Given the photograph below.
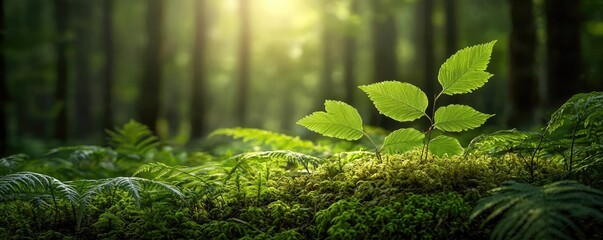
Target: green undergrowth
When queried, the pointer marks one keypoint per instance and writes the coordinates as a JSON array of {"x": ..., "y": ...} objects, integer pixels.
[
  {"x": 264, "y": 185},
  {"x": 349, "y": 196},
  {"x": 506, "y": 185}
]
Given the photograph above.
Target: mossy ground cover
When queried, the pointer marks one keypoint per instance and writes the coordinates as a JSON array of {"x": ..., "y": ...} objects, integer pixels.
[{"x": 346, "y": 197}]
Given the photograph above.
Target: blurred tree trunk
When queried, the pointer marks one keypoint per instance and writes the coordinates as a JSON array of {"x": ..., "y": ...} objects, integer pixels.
[
  {"x": 385, "y": 61},
  {"x": 451, "y": 27},
  {"x": 4, "y": 98},
  {"x": 426, "y": 47},
  {"x": 83, "y": 94},
  {"x": 244, "y": 68},
  {"x": 523, "y": 84},
  {"x": 326, "y": 88},
  {"x": 108, "y": 48},
  {"x": 564, "y": 66},
  {"x": 349, "y": 57},
  {"x": 150, "y": 85},
  {"x": 61, "y": 21},
  {"x": 198, "y": 106}
]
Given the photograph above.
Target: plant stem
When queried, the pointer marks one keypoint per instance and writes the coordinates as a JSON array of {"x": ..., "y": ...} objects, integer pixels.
[
  {"x": 431, "y": 126},
  {"x": 429, "y": 131},
  {"x": 374, "y": 145}
]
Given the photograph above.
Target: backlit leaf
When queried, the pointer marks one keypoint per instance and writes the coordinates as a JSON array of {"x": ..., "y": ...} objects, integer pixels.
[
  {"x": 339, "y": 121},
  {"x": 402, "y": 140},
  {"x": 444, "y": 145},
  {"x": 457, "y": 118},
  {"x": 397, "y": 100},
  {"x": 464, "y": 71}
]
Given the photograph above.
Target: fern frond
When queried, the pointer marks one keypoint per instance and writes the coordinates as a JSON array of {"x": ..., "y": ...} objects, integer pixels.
[
  {"x": 133, "y": 139},
  {"x": 11, "y": 163},
  {"x": 291, "y": 157},
  {"x": 272, "y": 140},
  {"x": 547, "y": 212},
  {"x": 583, "y": 108},
  {"x": 178, "y": 173},
  {"x": 83, "y": 152},
  {"x": 31, "y": 184},
  {"x": 504, "y": 141},
  {"x": 132, "y": 185}
]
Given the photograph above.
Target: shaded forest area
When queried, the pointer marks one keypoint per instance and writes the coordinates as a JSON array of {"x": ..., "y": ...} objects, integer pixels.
[{"x": 71, "y": 68}]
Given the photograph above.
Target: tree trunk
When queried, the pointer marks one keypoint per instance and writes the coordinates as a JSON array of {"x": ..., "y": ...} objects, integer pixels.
[
  {"x": 244, "y": 68},
  {"x": 349, "y": 58},
  {"x": 83, "y": 111},
  {"x": 4, "y": 98},
  {"x": 426, "y": 23},
  {"x": 451, "y": 27},
  {"x": 385, "y": 62},
  {"x": 150, "y": 85},
  {"x": 61, "y": 21},
  {"x": 523, "y": 84},
  {"x": 108, "y": 48},
  {"x": 564, "y": 66},
  {"x": 326, "y": 88},
  {"x": 198, "y": 106}
]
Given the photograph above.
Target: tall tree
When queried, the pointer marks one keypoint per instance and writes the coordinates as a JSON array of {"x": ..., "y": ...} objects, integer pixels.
[
  {"x": 83, "y": 92},
  {"x": 61, "y": 20},
  {"x": 523, "y": 84},
  {"x": 349, "y": 56},
  {"x": 327, "y": 53},
  {"x": 4, "y": 98},
  {"x": 108, "y": 48},
  {"x": 385, "y": 61},
  {"x": 150, "y": 85},
  {"x": 564, "y": 66},
  {"x": 244, "y": 63},
  {"x": 427, "y": 52},
  {"x": 198, "y": 105},
  {"x": 451, "y": 27}
]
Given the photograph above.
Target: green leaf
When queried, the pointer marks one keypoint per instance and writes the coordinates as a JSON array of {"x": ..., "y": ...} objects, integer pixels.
[
  {"x": 444, "y": 145},
  {"x": 397, "y": 100},
  {"x": 456, "y": 118},
  {"x": 339, "y": 121},
  {"x": 402, "y": 140},
  {"x": 465, "y": 70}
]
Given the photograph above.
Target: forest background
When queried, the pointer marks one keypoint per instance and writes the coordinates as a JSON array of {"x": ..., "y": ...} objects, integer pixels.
[{"x": 71, "y": 68}]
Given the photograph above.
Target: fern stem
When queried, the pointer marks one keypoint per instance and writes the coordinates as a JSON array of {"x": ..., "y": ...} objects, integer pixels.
[{"x": 54, "y": 202}]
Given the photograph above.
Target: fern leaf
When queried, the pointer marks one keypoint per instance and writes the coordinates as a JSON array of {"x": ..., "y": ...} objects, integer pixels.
[
  {"x": 444, "y": 145},
  {"x": 400, "y": 101},
  {"x": 275, "y": 141},
  {"x": 339, "y": 121},
  {"x": 504, "y": 141},
  {"x": 134, "y": 139},
  {"x": 11, "y": 163},
  {"x": 531, "y": 212},
  {"x": 291, "y": 157},
  {"x": 30, "y": 183},
  {"x": 583, "y": 108},
  {"x": 179, "y": 173},
  {"x": 464, "y": 71},
  {"x": 83, "y": 152},
  {"x": 457, "y": 118},
  {"x": 402, "y": 140},
  {"x": 132, "y": 185}
]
